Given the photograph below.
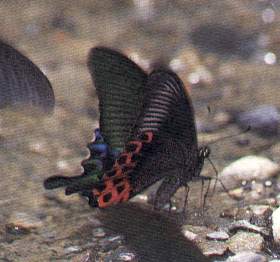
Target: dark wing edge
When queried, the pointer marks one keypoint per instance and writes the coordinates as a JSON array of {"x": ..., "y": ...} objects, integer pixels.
[{"x": 22, "y": 82}]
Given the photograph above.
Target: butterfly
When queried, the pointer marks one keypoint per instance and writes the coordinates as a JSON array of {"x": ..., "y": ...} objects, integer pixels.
[
  {"x": 22, "y": 82},
  {"x": 147, "y": 133}
]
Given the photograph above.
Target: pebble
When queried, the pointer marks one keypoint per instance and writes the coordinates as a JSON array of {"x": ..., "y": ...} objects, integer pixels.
[
  {"x": 264, "y": 120},
  {"x": 247, "y": 256},
  {"x": 72, "y": 249},
  {"x": 190, "y": 235},
  {"x": 217, "y": 235},
  {"x": 114, "y": 238},
  {"x": 24, "y": 220},
  {"x": 98, "y": 232},
  {"x": 276, "y": 225},
  {"x": 126, "y": 256},
  {"x": 248, "y": 168},
  {"x": 245, "y": 241},
  {"x": 245, "y": 225}
]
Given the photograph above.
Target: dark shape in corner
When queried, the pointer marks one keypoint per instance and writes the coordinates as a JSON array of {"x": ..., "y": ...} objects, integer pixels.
[
  {"x": 151, "y": 235},
  {"x": 224, "y": 40},
  {"x": 22, "y": 83}
]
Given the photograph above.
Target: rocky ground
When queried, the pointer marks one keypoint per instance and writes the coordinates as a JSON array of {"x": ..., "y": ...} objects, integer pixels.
[{"x": 225, "y": 51}]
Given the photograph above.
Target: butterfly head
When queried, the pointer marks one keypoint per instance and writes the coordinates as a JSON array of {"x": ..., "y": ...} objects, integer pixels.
[{"x": 203, "y": 152}]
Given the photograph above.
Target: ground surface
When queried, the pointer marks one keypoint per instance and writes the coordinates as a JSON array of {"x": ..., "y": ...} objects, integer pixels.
[{"x": 227, "y": 73}]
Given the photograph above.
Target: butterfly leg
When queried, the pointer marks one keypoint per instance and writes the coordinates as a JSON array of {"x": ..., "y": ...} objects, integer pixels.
[
  {"x": 187, "y": 189},
  {"x": 166, "y": 190},
  {"x": 203, "y": 197}
]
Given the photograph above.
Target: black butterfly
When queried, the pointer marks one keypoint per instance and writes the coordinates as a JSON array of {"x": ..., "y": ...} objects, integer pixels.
[
  {"x": 22, "y": 82},
  {"x": 149, "y": 119}
]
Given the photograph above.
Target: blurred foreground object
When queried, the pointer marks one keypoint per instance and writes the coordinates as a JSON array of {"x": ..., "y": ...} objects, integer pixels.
[{"x": 22, "y": 83}]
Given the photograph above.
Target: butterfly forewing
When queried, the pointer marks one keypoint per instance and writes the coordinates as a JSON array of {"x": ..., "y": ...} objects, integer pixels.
[{"x": 120, "y": 86}]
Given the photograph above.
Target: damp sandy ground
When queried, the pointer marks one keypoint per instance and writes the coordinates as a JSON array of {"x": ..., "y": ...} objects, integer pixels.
[{"x": 57, "y": 37}]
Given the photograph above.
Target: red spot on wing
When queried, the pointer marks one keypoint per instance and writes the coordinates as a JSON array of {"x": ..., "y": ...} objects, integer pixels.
[
  {"x": 111, "y": 190},
  {"x": 116, "y": 181}
]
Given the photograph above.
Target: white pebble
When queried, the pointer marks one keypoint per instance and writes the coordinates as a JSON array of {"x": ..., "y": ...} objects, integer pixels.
[
  {"x": 276, "y": 225},
  {"x": 248, "y": 168}
]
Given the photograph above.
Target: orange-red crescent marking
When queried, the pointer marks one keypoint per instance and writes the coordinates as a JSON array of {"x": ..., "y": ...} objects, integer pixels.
[{"x": 110, "y": 188}]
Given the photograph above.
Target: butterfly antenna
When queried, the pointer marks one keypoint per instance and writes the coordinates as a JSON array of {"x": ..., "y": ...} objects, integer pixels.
[{"x": 230, "y": 136}]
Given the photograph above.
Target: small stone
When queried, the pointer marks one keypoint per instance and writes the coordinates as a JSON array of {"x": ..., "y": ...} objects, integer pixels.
[
  {"x": 247, "y": 256},
  {"x": 248, "y": 168},
  {"x": 72, "y": 249},
  {"x": 98, "y": 232},
  {"x": 24, "y": 220},
  {"x": 114, "y": 238},
  {"x": 245, "y": 241},
  {"x": 276, "y": 225},
  {"x": 190, "y": 235},
  {"x": 268, "y": 183},
  {"x": 217, "y": 235},
  {"x": 128, "y": 256},
  {"x": 245, "y": 225},
  {"x": 264, "y": 120}
]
